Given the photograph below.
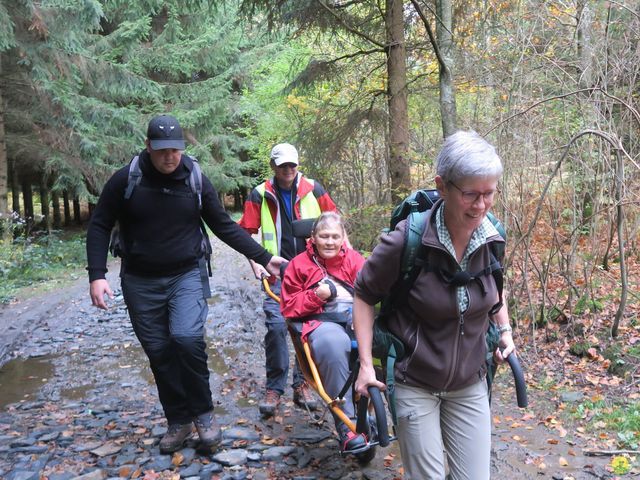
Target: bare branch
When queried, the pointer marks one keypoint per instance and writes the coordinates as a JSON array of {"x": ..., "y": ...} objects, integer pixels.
[
  {"x": 349, "y": 27},
  {"x": 544, "y": 100},
  {"x": 607, "y": 137},
  {"x": 432, "y": 39},
  {"x": 625, "y": 7}
]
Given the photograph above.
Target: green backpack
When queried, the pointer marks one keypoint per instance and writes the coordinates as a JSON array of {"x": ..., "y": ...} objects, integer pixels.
[{"x": 386, "y": 346}]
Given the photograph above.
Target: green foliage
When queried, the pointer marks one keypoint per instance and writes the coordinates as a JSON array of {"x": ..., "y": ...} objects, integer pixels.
[
  {"x": 580, "y": 348},
  {"x": 586, "y": 304},
  {"x": 85, "y": 77},
  {"x": 366, "y": 224},
  {"x": 266, "y": 107},
  {"x": 29, "y": 261},
  {"x": 7, "y": 39},
  {"x": 622, "y": 360},
  {"x": 620, "y": 417}
]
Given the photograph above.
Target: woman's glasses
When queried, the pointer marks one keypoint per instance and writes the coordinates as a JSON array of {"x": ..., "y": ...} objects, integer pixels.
[{"x": 470, "y": 197}]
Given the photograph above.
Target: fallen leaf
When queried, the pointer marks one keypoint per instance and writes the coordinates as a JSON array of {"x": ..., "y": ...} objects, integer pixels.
[{"x": 177, "y": 459}]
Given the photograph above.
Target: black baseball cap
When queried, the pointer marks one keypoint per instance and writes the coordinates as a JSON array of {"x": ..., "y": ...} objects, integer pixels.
[{"x": 164, "y": 131}]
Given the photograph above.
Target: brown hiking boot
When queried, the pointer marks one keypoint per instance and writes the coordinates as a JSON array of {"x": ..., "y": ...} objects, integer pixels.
[
  {"x": 208, "y": 431},
  {"x": 175, "y": 437},
  {"x": 269, "y": 404},
  {"x": 303, "y": 397}
]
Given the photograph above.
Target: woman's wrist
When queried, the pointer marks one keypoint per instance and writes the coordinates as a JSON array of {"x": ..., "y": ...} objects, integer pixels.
[{"x": 506, "y": 328}]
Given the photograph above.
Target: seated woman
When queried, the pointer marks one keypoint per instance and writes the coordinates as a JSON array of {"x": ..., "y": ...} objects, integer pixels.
[{"x": 317, "y": 291}]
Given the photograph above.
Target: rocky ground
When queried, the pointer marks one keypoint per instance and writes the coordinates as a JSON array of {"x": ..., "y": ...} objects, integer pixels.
[{"x": 78, "y": 402}]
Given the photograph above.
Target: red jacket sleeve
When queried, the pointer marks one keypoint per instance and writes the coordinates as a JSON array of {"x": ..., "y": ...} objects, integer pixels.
[
  {"x": 250, "y": 220},
  {"x": 326, "y": 203},
  {"x": 297, "y": 296}
]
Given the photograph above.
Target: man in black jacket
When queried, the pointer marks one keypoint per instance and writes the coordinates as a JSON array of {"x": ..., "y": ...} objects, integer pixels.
[{"x": 163, "y": 272}]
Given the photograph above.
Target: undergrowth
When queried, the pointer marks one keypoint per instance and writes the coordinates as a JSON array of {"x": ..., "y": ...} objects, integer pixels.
[
  {"x": 30, "y": 261},
  {"x": 621, "y": 417}
]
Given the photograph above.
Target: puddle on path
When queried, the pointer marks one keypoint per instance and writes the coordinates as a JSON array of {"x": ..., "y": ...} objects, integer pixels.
[
  {"x": 214, "y": 299},
  {"x": 21, "y": 379}
]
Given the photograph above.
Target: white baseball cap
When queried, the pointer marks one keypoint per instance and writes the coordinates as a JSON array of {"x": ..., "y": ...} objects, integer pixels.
[{"x": 284, "y": 153}]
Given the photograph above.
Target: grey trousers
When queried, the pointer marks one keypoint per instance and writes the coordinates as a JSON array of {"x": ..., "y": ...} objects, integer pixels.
[
  {"x": 330, "y": 347},
  {"x": 168, "y": 315},
  {"x": 276, "y": 346},
  {"x": 457, "y": 422}
]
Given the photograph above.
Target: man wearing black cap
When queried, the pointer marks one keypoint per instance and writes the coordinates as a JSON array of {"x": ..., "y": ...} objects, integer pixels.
[{"x": 163, "y": 271}]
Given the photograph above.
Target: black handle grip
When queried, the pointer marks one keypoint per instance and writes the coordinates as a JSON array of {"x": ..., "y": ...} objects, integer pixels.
[
  {"x": 362, "y": 425},
  {"x": 518, "y": 377}
]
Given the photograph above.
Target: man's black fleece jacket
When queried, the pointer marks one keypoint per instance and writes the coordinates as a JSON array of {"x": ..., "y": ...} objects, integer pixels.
[{"x": 160, "y": 223}]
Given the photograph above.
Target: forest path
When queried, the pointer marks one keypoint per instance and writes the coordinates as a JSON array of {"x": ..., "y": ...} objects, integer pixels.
[{"x": 79, "y": 399}]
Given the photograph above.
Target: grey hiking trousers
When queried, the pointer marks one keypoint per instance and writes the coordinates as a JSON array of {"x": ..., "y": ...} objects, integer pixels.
[
  {"x": 168, "y": 315},
  {"x": 457, "y": 422}
]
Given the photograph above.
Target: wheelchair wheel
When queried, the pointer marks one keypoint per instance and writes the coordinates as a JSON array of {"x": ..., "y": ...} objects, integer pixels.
[{"x": 365, "y": 457}]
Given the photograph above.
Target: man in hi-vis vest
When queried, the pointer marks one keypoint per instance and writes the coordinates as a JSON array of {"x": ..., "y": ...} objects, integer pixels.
[{"x": 270, "y": 208}]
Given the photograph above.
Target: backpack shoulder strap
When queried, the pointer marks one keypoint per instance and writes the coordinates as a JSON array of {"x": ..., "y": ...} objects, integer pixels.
[
  {"x": 195, "y": 180},
  {"x": 413, "y": 257},
  {"x": 135, "y": 176}
]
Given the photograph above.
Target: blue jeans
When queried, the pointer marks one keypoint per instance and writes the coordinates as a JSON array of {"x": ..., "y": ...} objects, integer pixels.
[
  {"x": 168, "y": 315},
  {"x": 277, "y": 347}
]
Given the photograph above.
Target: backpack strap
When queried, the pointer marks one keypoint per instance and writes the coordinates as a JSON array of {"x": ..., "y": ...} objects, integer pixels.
[
  {"x": 134, "y": 178},
  {"x": 195, "y": 180}
]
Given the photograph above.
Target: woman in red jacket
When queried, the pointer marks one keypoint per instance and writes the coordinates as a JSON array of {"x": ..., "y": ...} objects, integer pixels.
[{"x": 317, "y": 292}]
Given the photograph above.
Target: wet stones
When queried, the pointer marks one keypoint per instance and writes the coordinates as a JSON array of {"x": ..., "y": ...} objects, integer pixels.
[
  {"x": 95, "y": 414},
  {"x": 231, "y": 457}
]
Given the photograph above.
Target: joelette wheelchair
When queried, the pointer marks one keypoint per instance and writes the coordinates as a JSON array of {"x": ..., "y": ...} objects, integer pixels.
[{"x": 371, "y": 412}]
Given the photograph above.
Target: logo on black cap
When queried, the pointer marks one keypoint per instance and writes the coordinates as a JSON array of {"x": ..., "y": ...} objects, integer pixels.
[{"x": 164, "y": 132}]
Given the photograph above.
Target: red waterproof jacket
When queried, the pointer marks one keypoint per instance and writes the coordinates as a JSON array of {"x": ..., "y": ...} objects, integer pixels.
[{"x": 298, "y": 298}]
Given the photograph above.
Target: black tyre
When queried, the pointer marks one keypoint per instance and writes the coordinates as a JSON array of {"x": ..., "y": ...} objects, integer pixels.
[
  {"x": 381, "y": 416},
  {"x": 365, "y": 457},
  {"x": 362, "y": 425},
  {"x": 518, "y": 377}
]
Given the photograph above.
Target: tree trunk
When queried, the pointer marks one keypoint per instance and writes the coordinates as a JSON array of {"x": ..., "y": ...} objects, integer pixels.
[
  {"x": 27, "y": 194},
  {"x": 4, "y": 171},
  {"x": 399, "y": 166},
  {"x": 620, "y": 182},
  {"x": 15, "y": 188},
  {"x": 44, "y": 205},
  {"x": 444, "y": 27},
  {"x": 67, "y": 209},
  {"x": 55, "y": 203},
  {"x": 77, "y": 216}
]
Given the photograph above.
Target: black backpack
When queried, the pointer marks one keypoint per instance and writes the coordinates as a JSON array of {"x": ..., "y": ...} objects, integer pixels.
[
  {"x": 195, "y": 183},
  {"x": 386, "y": 346}
]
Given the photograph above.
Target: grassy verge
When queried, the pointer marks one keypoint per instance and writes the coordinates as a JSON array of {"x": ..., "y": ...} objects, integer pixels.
[
  {"x": 620, "y": 417},
  {"x": 29, "y": 262}
]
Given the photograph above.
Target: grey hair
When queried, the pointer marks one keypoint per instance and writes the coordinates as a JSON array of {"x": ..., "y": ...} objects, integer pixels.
[
  {"x": 325, "y": 219},
  {"x": 466, "y": 154}
]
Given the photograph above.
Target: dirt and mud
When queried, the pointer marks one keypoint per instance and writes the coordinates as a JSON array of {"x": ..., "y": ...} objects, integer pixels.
[{"x": 77, "y": 401}]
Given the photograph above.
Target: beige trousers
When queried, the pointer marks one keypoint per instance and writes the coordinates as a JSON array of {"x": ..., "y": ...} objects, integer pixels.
[{"x": 456, "y": 424}]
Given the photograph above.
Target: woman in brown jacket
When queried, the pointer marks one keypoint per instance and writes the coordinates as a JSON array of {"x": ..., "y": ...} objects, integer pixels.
[{"x": 442, "y": 401}]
